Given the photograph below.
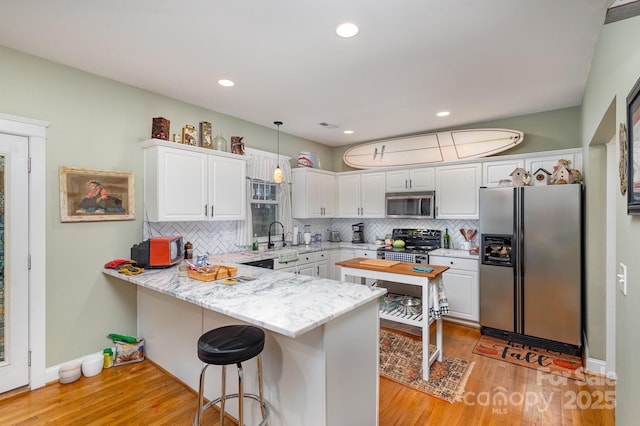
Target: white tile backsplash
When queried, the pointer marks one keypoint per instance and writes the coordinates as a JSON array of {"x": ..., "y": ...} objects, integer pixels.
[
  {"x": 220, "y": 236},
  {"x": 207, "y": 237}
]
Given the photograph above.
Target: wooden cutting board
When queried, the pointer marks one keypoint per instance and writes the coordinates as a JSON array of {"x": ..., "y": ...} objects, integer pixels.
[{"x": 380, "y": 262}]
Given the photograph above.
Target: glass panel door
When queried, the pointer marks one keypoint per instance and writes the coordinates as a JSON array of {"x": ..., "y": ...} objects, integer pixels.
[{"x": 14, "y": 251}]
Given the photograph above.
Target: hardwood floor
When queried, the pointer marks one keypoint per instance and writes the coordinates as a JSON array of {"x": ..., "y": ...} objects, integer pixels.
[
  {"x": 531, "y": 398},
  {"x": 143, "y": 394}
]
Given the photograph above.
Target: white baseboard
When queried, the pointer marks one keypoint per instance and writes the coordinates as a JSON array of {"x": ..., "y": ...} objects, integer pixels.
[{"x": 596, "y": 366}]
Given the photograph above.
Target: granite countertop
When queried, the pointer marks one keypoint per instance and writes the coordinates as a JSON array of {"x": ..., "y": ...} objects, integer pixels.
[
  {"x": 463, "y": 254},
  {"x": 285, "y": 303},
  {"x": 249, "y": 256}
]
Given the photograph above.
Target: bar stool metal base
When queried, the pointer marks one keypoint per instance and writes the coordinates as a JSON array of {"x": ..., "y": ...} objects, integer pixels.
[{"x": 265, "y": 407}]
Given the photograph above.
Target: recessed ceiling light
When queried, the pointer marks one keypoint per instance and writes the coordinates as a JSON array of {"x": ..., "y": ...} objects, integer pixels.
[
  {"x": 349, "y": 132},
  {"x": 226, "y": 83},
  {"x": 443, "y": 113},
  {"x": 347, "y": 30}
]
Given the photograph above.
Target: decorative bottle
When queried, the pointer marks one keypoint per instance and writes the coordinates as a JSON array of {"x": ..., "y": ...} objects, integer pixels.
[
  {"x": 255, "y": 241},
  {"x": 188, "y": 250},
  {"x": 447, "y": 239},
  {"x": 219, "y": 142}
]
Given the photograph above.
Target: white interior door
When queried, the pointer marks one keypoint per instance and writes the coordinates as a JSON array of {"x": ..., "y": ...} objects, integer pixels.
[{"x": 14, "y": 291}]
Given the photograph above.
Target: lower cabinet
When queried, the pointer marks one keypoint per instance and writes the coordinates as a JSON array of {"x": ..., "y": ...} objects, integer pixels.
[
  {"x": 313, "y": 264},
  {"x": 370, "y": 254},
  {"x": 346, "y": 254},
  {"x": 461, "y": 287},
  {"x": 338, "y": 256}
]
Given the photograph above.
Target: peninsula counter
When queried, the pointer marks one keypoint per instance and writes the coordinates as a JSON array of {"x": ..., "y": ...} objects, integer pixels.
[{"x": 321, "y": 356}]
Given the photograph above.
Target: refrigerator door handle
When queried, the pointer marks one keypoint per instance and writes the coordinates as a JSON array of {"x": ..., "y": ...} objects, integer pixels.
[{"x": 519, "y": 259}]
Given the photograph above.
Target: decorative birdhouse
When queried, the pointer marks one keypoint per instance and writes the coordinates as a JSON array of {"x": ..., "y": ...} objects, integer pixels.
[
  {"x": 520, "y": 177},
  {"x": 562, "y": 175},
  {"x": 541, "y": 177}
]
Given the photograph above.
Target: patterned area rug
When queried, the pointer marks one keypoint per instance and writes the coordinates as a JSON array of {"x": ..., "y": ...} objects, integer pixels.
[
  {"x": 401, "y": 361},
  {"x": 529, "y": 356}
]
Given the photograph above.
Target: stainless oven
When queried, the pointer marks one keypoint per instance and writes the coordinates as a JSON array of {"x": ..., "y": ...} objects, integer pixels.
[
  {"x": 410, "y": 205},
  {"x": 402, "y": 256}
]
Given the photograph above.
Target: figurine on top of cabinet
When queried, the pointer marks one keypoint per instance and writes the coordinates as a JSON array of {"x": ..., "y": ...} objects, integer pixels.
[
  {"x": 564, "y": 174},
  {"x": 520, "y": 177},
  {"x": 541, "y": 177}
]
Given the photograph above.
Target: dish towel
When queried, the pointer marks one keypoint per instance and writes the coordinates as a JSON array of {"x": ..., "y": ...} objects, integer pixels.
[
  {"x": 440, "y": 304},
  {"x": 420, "y": 268}
]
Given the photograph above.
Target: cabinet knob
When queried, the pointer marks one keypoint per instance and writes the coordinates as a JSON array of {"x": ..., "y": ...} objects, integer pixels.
[{"x": 451, "y": 262}]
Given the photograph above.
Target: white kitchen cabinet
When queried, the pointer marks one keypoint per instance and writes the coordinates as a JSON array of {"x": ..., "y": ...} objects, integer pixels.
[
  {"x": 369, "y": 254},
  {"x": 548, "y": 161},
  {"x": 406, "y": 180},
  {"x": 361, "y": 195},
  {"x": 313, "y": 193},
  {"x": 313, "y": 264},
  {"x": 190, "y": 184},
  {"x": 322, "y": 264},
  {"x": 457, "y": 191},
  {"x": 227, "y": 188},
  {"x": 495, "y": 171},
  {"x": 338, "y": 256},
  {"x": 461, "y": 287},
  {"x": 346, "y": 254}
]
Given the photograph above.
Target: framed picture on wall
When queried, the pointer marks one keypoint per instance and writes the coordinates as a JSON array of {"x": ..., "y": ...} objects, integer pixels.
[
  {"x": 633, "y": 150},
  {"x": 88, "y": 195}
]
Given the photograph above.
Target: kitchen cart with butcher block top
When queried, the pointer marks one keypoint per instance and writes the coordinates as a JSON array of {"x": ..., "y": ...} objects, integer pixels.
[{"x": 403, "y": 272}]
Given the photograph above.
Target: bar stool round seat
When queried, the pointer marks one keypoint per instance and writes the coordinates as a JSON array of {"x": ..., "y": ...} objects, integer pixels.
[{"x": 233, "y": 344}]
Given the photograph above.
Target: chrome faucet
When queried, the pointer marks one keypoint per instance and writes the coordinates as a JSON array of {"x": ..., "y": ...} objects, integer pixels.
[{"x": 269, "y": 243}]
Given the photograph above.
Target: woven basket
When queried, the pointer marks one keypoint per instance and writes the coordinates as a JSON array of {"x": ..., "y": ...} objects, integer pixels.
[{"x": 216, "y": 272}]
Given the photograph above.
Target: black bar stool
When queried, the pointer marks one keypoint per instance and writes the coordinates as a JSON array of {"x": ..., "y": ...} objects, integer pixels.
[{"x": 224, "y": 346}]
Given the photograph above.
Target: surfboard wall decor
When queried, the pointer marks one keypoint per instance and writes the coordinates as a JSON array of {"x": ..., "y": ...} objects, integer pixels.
[{"x": 441, "y": 147}]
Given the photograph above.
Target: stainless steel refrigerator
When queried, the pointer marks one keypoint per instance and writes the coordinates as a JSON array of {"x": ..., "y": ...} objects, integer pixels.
[{"x": 531, "y": 265}]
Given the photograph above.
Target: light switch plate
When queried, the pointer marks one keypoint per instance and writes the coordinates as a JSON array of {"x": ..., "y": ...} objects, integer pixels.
[{"x": 622, "y": 279}]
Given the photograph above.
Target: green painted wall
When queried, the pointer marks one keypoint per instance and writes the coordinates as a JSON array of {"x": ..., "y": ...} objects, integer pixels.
[
  {"x": 544, "y": 131},
  {"x": 614, "y": 70},
  {"x": 97, "y": 123}
]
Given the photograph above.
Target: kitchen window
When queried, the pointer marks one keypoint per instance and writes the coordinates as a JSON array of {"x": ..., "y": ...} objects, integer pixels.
[{"x": 264, "y": 207}]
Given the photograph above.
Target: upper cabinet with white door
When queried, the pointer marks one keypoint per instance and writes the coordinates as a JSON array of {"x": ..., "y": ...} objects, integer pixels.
[
  {"x": 361, "y": 195},
  {"x": 406, "y": 180},
  {"x": 313, "y": 193},
  {"x": 550, "y": 159},
  {"x": 183, "y": 183},
  {"x": 500, "y": 168},
  {"x": 495, "y": 171},
  {"x": 457, "y": 191}
]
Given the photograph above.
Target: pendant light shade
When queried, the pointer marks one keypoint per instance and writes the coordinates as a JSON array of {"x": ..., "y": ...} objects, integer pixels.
[{"x": 277, "y": 173}]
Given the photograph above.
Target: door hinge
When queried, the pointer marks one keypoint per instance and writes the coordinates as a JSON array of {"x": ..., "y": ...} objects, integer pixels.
[
  {"x": 29, "y": 356},
  {"x": 29, "y": 262},
  {"x": 29, "y": 165}
]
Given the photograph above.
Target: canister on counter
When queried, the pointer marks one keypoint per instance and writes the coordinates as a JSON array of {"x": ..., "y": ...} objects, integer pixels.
[{"x": 188, "y": 250}]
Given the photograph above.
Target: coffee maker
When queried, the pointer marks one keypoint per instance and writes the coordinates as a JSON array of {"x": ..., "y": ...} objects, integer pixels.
[{"x": 358, "y": 233}]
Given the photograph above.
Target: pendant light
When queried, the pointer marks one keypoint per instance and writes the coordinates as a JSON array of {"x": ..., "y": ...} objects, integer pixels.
[{"x": 277, "y": 173}]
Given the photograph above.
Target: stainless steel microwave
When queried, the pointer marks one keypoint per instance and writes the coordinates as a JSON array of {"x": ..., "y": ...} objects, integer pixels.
[{"x": 410, "y": 205}]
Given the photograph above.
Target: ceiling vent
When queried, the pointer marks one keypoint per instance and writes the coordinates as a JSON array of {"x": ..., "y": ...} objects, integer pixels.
[{"x": 328, "y": 125}]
